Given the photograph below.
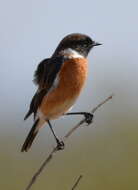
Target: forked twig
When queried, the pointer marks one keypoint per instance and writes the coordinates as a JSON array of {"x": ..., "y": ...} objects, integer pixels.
[{"x": 55, "y": 149}]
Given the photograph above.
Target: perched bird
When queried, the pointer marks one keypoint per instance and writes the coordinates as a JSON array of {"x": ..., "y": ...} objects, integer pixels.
[{"x": 60, "y": 80}]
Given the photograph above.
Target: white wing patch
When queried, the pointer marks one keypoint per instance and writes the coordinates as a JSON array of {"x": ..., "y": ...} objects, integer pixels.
[{"x": 55, "y": 84}]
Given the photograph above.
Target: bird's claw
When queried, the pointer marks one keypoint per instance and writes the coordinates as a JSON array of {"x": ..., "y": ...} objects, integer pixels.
[
  {"x": 60, "y": 145},
  {"x": 88, "y": 118}
]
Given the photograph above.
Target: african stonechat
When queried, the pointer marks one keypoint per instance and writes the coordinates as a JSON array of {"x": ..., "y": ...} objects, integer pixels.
[{"x": 60, "y": 80}]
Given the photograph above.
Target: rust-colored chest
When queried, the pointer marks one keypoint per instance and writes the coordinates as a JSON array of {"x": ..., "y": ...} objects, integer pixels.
[{"x": 73, "y": 75}]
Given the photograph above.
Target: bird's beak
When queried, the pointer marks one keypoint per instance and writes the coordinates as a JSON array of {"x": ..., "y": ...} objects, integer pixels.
[{"x": 96, "y": 44}]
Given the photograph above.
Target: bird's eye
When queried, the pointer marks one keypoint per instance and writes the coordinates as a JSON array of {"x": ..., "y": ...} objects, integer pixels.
[{"x": 85, "y": 44}]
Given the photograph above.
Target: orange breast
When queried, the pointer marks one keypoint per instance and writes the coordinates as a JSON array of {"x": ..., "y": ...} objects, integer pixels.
[{"x": 71, "y": 80}]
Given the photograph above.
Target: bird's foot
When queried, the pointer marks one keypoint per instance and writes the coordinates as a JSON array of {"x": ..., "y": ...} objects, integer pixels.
[
  {"x": 88, "y": 118},
  {"x": 60, "y": 145}
]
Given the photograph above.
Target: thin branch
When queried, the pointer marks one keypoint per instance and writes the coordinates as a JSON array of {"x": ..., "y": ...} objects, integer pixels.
[
  {"x": 55, "y": 149},
  {"x": 77, "y": 182}
]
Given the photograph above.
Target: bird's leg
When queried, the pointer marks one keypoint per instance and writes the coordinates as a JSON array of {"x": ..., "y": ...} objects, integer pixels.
[
  {"x": 88, "y": 116},
  {"x": 60, "y": 144}
]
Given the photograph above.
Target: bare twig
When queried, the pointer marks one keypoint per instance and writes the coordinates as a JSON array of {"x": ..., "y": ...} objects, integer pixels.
[
  {"x": 55, "y": 149},
  {"x": 77, "y": 182}
]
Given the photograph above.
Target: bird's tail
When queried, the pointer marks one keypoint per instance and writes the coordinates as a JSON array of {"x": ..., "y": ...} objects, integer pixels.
[{"x": 32, "y": 134}]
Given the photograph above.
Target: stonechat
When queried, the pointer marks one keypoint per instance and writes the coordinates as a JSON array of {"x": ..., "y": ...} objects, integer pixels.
[{"x": 60, "y": 80}]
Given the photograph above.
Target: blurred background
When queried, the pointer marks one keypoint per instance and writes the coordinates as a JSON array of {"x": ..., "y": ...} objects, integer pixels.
[{"x": 105, "y": 153}]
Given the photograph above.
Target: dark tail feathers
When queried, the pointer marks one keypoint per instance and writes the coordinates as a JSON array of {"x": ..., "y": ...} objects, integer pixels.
[{"x": 29, "y": 140}]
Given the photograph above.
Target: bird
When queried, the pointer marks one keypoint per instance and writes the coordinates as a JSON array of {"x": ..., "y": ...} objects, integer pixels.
[{"x": 60, "y": 80}]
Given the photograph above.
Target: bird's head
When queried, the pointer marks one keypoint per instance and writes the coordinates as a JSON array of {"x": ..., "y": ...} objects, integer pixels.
[{"x": 79, "y": 43}]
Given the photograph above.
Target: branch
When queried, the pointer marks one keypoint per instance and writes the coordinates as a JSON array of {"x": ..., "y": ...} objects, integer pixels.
[
  {"x": 55, "y": 149},
  {"x": 77, "y": 182}
]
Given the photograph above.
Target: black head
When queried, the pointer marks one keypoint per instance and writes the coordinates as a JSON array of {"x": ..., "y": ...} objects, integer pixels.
[{"x": 81, "y": 43}]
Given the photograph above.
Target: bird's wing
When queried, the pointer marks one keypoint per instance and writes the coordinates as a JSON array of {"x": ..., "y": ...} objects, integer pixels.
[
  {"x": 41, "y": 72},
  {"x": 50, "y": 68}
]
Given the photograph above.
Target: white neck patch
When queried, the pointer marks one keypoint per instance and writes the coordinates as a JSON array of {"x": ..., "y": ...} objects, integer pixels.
[{"x": 70, "y": 53}]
